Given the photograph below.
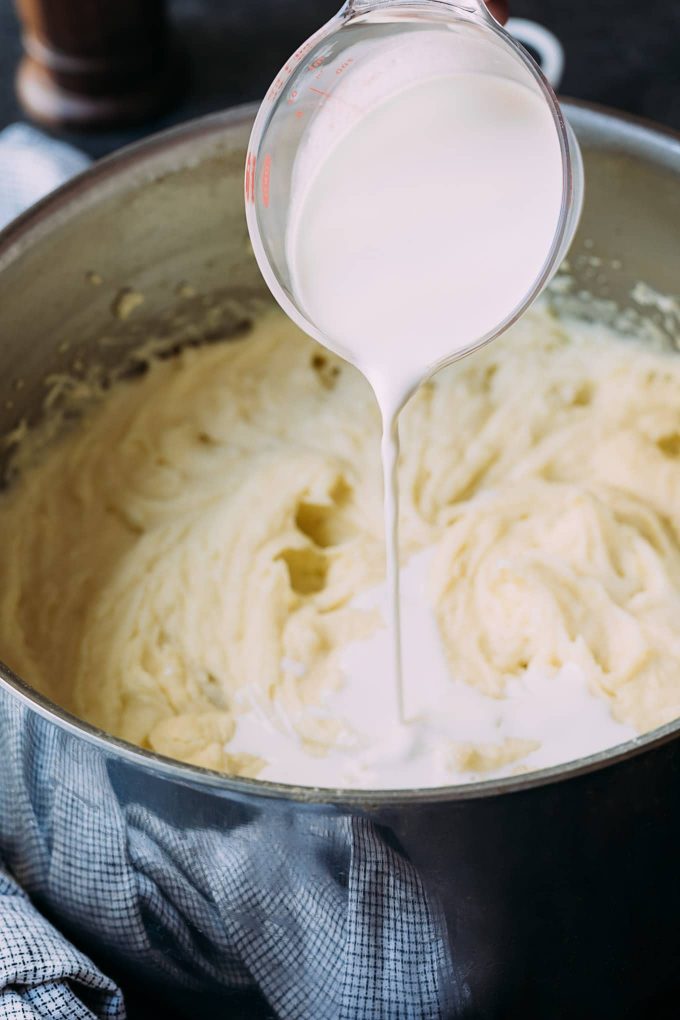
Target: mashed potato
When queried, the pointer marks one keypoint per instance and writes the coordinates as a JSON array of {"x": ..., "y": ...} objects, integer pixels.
[{"x": 213, "y": 520}]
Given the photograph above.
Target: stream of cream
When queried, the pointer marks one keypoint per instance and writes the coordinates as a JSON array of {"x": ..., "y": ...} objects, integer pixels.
[{"x": 423, "y": 228}]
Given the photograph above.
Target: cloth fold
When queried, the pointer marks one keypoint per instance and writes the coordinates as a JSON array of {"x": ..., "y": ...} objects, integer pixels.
[{"x": 41, "y": 974}]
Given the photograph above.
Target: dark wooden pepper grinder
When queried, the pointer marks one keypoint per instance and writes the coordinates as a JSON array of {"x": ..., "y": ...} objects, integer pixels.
[{"x": 95, "y": 63}]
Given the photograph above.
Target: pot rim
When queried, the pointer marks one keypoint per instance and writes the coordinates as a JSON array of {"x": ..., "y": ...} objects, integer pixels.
[{"x": 108, "y": 175}]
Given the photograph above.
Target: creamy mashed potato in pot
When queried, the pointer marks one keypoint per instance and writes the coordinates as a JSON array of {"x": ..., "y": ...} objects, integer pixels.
[{"x": 189, "y": 565}]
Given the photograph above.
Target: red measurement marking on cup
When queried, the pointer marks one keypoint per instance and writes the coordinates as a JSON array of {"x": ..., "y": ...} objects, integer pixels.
[
  {"x": 326, "y": 96},
  {"x": 277, "y": 85},
  {"x": 274, "y": 89},
  {"x": 251, "y": 160},
  {"x": 345, "y": 64},
  {"x": 302, "y": 51},
  {"x": 266, "y": 177}
]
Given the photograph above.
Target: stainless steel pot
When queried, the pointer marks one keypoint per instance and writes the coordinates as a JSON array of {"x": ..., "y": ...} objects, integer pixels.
[{"x": 551, "y": 895}]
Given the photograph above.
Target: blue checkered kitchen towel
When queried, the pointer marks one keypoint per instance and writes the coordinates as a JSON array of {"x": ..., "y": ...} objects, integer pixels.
[
  {"x": 41, "y": 974},
  {"x": 31, "y": 165},
  {"x": 321, "y": 915}
]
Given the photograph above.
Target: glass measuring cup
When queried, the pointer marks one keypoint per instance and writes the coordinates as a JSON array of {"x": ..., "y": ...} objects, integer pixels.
[{"x": 366, "y": 54}]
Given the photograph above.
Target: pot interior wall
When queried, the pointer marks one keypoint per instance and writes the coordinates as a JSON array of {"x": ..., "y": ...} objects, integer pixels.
[{"x": 170, "y": 228}]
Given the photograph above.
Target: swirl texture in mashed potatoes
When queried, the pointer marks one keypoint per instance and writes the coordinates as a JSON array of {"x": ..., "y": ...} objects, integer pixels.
[{"x": 207, "y": 525}]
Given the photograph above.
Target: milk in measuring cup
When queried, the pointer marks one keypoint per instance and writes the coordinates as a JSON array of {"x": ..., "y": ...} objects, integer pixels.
[
  {"x": 420, "y": 230},
  {"x": 426, "y": 225}
]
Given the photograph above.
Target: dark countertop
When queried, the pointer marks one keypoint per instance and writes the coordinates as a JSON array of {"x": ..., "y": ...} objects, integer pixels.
[{"x": 624, "y": 54}]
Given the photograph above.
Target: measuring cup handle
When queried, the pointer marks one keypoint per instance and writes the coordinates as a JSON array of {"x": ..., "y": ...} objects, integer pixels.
[{"x": 544, "y": 43}]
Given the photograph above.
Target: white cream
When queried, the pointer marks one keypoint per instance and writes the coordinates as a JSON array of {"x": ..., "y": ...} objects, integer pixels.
[
  {"x": 426, "y": 225},
  {"x": 558, "y": 717},
  {"x": 423, "y": 229}
]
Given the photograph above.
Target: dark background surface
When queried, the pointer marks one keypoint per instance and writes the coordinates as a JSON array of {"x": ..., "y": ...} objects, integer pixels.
[{"x": 624, "y": 54}]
